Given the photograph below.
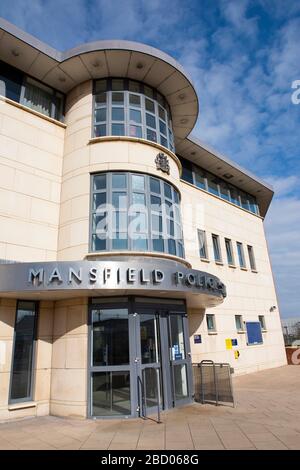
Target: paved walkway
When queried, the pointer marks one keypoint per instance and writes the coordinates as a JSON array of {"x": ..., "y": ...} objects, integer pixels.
[{"x": 267, "y": 416}]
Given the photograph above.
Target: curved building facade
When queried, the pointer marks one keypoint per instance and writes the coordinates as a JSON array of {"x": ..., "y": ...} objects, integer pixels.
[{"x": 129, "y": 250}]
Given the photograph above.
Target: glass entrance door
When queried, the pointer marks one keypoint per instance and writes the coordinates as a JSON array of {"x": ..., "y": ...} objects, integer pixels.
[
  {"x": 148, "y": 360},
  {"x": 139, "y": 356}
]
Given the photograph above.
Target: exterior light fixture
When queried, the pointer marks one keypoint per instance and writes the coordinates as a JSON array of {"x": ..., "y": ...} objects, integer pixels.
[
  {"x": 183, "y": 121},
  {"x": 61, "y": 78},
  {"x": 15, "y": 52},
  {"x": 273, "y": 308}
]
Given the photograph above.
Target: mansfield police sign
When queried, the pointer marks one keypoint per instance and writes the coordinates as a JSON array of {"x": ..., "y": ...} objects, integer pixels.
[{"x": 145, "y": 274}]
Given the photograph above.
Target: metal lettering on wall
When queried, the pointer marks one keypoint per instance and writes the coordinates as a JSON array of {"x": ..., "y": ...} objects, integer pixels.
[{"x": 107, "y": 275}]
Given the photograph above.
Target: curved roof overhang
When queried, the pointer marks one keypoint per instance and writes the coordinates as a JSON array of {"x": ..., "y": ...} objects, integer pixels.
[{"x": 64, "y": 70}]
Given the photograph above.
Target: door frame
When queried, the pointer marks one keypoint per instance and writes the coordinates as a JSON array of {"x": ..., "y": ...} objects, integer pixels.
[{"x": 133, "y": 304}]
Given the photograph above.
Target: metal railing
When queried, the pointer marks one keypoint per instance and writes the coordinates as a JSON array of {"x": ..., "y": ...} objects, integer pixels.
[{"x": 213, "y": 383}]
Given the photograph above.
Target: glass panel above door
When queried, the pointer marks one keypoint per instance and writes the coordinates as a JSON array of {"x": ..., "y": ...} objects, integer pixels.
[
  {"x": 177, "y": 337},
  {"x": 110, "y": 337}
]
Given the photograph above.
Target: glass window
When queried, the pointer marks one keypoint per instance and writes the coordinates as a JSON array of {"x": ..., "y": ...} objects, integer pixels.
[
  {"x": 138, "y": 182},
  {"x": 118, "y": 180},
  {"x": 133, "y": 104},
  {"x": 200, "y": 179},
  {"x": 251, "y": 257},
  {"x": 38, "y": 97},
  {"x": 155, "y": 185},
  {"x": 239, "y": 324},
  {"x": 234, "y": 195},
  {"x": 111, "y": 393},
  {"x": 117, "y": 98},
  {"x": 202, "y": 244},
  {"x": 224, "y": 190},
  {"x": 117, "y": 84},
  {"x": 117, "y": 114},
  {"x": 187, "y": 171},
  {"x": 134, "y": 100},
  {"x": 212, "y": 183},
  {"x": 130, "y": 211},
  {"x": 10, "y": 82},
  {"x": 216, "y": 248},
  {"x": 229, "y": 252},
  {"x": 241, "y": 256},
  {"x": 177, "y": 337},
  {"x": 244, "y": 200},
  {"x": 151, "y": 135},
  {"x": 23, "y": 351},
  {"x": 117, "y": 129},
  {"x": 150, "y": 120},
  {"x": 211, "y": 323},
  {"x": 135, "y": 131},
  {"x": 262, "y": 321},
  {"x": 99, "y": 182},
  {"x": 135, "y": 116},
  {"x": 100, "y": 131},
  {"x": 110, "y": 337},
  {"x": 100, "y": 114}
]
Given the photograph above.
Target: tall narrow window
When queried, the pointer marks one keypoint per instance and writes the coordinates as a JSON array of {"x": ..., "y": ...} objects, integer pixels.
[
  {"x": 239, "y": 323},
  {"x": 251, "y": 258},
  {"x": 229, "y": 252},
  {"x": 262, "y": 322},
  {"x": 202, "y": 244},
  {"x": 241, "y": 256},
  {"x": 216, "y": 248},
  {"x": 23, "y": 352},
  {"x": 211, "y": 323}
]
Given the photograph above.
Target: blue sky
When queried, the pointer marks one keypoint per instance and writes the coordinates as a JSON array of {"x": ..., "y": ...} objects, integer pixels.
[{"x": 243, "y": 56}]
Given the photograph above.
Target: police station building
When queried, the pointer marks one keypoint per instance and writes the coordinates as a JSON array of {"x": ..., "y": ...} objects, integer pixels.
[{"x": 129, "y": 249}]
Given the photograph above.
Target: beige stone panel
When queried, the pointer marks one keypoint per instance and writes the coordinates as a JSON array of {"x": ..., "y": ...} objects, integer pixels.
[
  {"x": 75, "y": 186},
  {"x": 44, "y": 211},
  {"x": 4, "y": 388},
  {"x": 73, "y": 410},
  {"x": 45, "y": 319},
  {"x": 59, "y": 353},
  {"x": 69, "y": 385},
  {"x": 8, "y": 147},
  {"x": 60, "y": 320},
  {"x": 2, "y": 250},
  {"x": 14, "y": 204},
  {"x": 44, "y": 353},
  {"x": 77, "y": 317},
  {"x": 7, "y": 177},
  {"x": 32, "y": 185},
  {"x": 65, "y": 214},
  {"x": 73, "y": 253},
  {"x": 6, "y": 346},
  {"x": 78, "y": 111},
  {"x": 109, "y": 152},
  {"x": 30, "y": 135},
  {"x": 77, "y": 140},
  {"x": 76, "y": 352},
  {"x": 22, "y": 413},
  {"x": 79, "y": 232},
  {"x": 77, "y": 159},
  {"x": 24, "y": 253},
  {"x": 64, "y": 237},
  {"x": 80, "y": 207},
  {"x": 145, "y": 154},
  {"x": 35, "y": 121},
  {"x": 82, "y": 121},
  {"x": 43, "y": 409},
  {"x": 42, "y": 384},
  {"x": 32, "y": 235},
  {"x": 7, "y": 320},
  {"x": 40, "y": 159},
  {"x": 4, "y": 414},
  {"x": 55, "y": 190},
  {"x": 79, "y": 96}
]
